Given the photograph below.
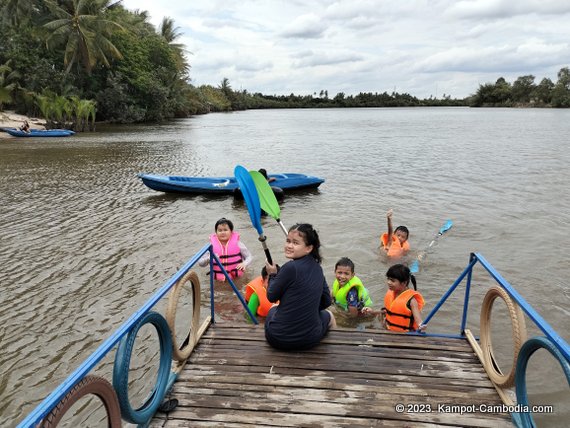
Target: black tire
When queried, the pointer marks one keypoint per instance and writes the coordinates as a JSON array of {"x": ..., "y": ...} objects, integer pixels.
[
  {"x": 181, "y": 352},
  {"x": 122, "y": 364},
  {"x": 88, "y": 385},
  {"x": 519, "y": 336}
]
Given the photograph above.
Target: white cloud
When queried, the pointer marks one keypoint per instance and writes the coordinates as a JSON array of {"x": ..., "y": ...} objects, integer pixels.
[{"x": 421, "y": 47}]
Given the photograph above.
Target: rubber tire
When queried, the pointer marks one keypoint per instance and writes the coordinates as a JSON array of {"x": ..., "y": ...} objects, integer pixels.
[
  {"x": 88, "y": 385},
  {"x": 181, "y": 353},
  {"x": 121, "y": 370},
  {"x": 519, "y": 336},
  {"x": 530, "y": 347}
]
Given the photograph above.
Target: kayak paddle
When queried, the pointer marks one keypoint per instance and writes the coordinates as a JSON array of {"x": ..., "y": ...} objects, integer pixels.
[
  {"x": 252, "y": 202},
  {"x": 415, "y": 267},
  {"x": 267, "y": 198}
]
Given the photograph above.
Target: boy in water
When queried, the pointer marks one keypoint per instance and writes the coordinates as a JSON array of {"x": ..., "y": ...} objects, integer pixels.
[
  {"x": 256, "y": 294},
  {"x": 348, "y": 291},
  {"x": 395, "y": 242}
]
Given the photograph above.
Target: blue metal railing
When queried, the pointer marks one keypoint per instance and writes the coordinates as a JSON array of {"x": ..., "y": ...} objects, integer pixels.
[
  {"x": 540, "y": 322},
  {"x": 55, "y": 397}
]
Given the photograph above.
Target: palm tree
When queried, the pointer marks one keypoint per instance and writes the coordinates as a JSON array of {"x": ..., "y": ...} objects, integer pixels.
[
  {"x": 80, "y": 26},
  {"x": 7, "y": 83},
  {"x": 17, "y": 11},
  {"x": 170, "y": 33}
]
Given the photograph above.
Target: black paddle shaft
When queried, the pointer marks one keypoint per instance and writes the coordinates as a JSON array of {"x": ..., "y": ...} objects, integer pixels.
[{"x": 262, "y": 239}]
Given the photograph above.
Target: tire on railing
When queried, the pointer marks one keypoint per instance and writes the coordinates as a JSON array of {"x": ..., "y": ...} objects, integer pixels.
[
  {"x": 181, "y": 352},
  {"x": 122, "y": 364},
  {"x": 530, "y": 347},
  {"x": 88, "y": 385},
  {"x": 519, "y": 336}
]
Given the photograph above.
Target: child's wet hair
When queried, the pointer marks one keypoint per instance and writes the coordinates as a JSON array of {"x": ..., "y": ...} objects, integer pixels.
[
  {"x": 401, "y": 273},
  {"x": 403, "y": 229},
  {"x": 345, "y": 261},
  {"x": 224, "y": 220},
  {"x": 263, "y": 172},
  {"x": 311, "y": 237}
]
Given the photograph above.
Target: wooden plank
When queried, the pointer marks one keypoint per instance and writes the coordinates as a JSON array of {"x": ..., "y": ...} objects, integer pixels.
[
  {"x": 353, "y": 378},
  {"x": 194, "y": 417}
]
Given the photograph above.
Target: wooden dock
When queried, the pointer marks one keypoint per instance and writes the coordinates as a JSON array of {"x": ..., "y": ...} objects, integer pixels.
[{"x": 353, "y": 378}]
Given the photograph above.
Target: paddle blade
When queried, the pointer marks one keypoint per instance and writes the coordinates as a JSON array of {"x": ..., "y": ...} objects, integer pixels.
[
  {"x": 267, "y": 198},
  {"x": 445, "y": 227},
  {"x": 250, "y": 196},
  {"x": 415, "y": 267}
]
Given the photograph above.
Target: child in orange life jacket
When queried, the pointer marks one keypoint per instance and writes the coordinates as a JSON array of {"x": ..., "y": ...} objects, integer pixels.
[
  {"x": 348, "y": 292},
  {"x": 256, "y": 294},
  {"x": 402, "y": 306},
  {"x": 395, "y": 243},
  {"x": 233, "y": 254}
]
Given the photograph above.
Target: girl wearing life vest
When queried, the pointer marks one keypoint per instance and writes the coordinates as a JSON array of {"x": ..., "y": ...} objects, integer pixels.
[
  {"x": 233, "y": 254},
  {"x": 402, "y": 306},
  {"x": 348, "y": 292},
  {"x": 256, "y": 294},
  {"x": 395, "y": 242}
]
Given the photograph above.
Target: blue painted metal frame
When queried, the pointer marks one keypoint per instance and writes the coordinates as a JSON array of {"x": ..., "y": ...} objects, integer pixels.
[
  {"x": 55, "y": 397},
  {"x": 540, "y": 322},
  {"x": 51, "y": 401}
]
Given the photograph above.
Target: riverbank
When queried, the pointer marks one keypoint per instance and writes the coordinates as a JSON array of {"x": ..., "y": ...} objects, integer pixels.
[{"x": 9, "y": 119}]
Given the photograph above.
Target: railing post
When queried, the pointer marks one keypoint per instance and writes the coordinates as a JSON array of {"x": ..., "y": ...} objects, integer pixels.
[
  {"x": 449, "y": 291},
  {"x": 472, "y": 261},
  {"x": 212, "y": 276}
]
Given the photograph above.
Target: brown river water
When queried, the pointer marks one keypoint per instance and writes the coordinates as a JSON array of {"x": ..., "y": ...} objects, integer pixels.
[{"x": 83, "y": 243}]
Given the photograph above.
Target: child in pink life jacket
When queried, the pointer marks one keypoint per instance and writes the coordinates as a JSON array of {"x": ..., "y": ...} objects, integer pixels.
[{"x": 233, "y": 254}]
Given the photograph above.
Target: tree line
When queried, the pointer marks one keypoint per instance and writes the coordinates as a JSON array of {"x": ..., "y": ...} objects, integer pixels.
[{"x": 74, "y": 62}]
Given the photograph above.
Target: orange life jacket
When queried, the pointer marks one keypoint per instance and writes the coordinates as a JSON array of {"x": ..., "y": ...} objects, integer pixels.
[
  {"x": 229, "y": 255},
  {"x": 396, "y": 249},
  {"x": 398, "y": 311},
  {"x": 258, "y": 287}
]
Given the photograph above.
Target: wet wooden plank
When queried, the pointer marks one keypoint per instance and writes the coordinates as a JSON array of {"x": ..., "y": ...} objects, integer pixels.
[{"x": 354, "y": 378}]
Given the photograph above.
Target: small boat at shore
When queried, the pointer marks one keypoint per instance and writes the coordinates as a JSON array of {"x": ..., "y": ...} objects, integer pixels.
[
  {"x": 39, "y": 132},
  {"x": 224, "y": 185}
]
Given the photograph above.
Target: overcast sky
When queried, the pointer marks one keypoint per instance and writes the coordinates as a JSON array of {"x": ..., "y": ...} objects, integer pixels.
[{"x": 422, "y": 47}]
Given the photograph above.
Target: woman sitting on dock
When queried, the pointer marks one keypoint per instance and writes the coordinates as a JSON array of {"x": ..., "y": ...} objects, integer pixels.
[{"x": 301, "y": 320}]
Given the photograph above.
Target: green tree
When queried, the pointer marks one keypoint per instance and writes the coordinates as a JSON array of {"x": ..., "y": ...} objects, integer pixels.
[
  {"x": 542, "y": 93},
  {"x": 171, "y": 34},
  {"x": 83, "y": 30},
  {"x": 561, "y": 91},
  {"x": 17, "y": 12},
  {"x": 8, "y": 83},
  {"x": 502, "y": 92},
  {"x": 522, "y": 89}
]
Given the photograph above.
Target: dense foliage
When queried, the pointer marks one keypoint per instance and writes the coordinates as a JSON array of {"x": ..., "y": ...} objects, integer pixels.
[
  {"x": 524, "y": 92},
  {"x": 74, "y": 61}
]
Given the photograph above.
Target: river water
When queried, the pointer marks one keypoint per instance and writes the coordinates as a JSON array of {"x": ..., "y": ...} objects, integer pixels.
[{"x": 83, "y": 243}]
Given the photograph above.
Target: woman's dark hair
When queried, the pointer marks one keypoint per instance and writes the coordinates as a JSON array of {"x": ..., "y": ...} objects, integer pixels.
[
  {"x": 402, "y": 274},
  {"x": 311, "y": 237},
  {"x": 345, "y": 261},
  {"x": 403, "y": 229},
  {"x": 224, "y": 220},
  {"x": 263, "y": 172}
]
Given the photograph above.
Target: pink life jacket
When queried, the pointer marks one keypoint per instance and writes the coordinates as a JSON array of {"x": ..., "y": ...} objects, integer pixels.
[{"x": 229, "y": 255}]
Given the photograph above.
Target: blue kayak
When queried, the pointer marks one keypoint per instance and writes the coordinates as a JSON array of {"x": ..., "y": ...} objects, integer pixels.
[
  {"x": 39, "y": 132},
  {"x": 224, "y": 185}
]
